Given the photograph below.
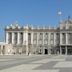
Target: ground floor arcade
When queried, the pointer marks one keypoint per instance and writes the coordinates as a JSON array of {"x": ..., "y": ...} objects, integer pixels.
[
  {"x": 48, "y": 50},
  {"x": 66, "y": 50}
]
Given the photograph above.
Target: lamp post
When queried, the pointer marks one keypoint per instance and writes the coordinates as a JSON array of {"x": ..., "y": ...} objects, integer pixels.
[{"x": 59, "y": 14}]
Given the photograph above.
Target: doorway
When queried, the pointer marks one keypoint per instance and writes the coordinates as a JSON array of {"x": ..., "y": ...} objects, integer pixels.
[
  {"x": 69, "y": 50},
  {"x": 46, "y": 51},
  {"x": 63, "y": 50}
]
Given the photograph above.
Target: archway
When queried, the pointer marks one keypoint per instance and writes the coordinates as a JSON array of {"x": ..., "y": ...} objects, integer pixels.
[{"x": 46, "y": 51}]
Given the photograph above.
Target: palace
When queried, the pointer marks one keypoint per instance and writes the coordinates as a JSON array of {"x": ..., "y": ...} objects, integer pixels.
[{"x": 39, "y": 40}]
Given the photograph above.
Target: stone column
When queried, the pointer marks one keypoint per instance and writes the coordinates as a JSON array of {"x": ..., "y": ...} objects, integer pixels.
[
  {"x": 60, "y": 50},
  {"x": 13, "y": 38},
  {"x": 49, "y": 39},
  {"x": 49, "y": 51},
  {"x": 7, "y": 36},
  {"x": 43, "y": 50},
  {"x": 60, "y": 38},
  {"x": 54, "y": 39},
  {"x": 23, "y": 39},
  {"x": 31, "y": 47},
  {"x": 18, "y": 38},
  {"x": 66, "y": 38},
  {"x": 43, "y": 44},
  {"x": 49, "y": 43},
  {"x": 66, "y": 50}
]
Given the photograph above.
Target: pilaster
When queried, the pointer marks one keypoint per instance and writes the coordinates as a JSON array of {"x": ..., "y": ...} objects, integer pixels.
[
  {"x": 18, "y": 38},
  {"x": 60, "y": 38},
  {"x": 60, "y": 50},
  {"x": 66, "y": 38},
  {"x": 7, "y": 36},
  {"x": 66, "y": 50},
  {"x": 13, "y": 38}
]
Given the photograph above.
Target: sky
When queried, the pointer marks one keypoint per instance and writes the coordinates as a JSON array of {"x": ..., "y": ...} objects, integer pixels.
[{"x": 34, "y": 12}]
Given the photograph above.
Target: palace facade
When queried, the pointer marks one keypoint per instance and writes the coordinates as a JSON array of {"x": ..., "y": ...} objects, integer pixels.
[{"x": 40, "y": 40}]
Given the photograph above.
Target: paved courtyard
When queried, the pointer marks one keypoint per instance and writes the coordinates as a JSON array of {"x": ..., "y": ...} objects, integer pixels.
[{"x": 36, "y": 63}]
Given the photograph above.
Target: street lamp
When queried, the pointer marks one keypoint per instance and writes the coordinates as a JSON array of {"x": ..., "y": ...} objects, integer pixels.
[{"x": 59, "y": 14}]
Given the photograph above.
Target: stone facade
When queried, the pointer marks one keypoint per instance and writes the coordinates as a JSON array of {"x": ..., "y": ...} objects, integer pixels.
[
  {"x": 40, "y": 40},
  {"x": 6, "y": 49}
]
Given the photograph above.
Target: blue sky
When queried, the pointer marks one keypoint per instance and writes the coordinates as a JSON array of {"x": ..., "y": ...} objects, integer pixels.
[{"x": 35, "y": 12}]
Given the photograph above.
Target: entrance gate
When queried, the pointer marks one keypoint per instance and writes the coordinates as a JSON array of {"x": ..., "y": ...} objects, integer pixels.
[{"x": 46, "y": 51}]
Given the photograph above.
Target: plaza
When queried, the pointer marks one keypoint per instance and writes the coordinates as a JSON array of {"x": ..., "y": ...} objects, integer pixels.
[
  {"x": 36, "y": 63},
  {"x": 35, "y": 35}
]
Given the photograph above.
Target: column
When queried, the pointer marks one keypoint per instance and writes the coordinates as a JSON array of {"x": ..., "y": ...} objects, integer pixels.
[
  {"x": 7, "y": 36},
  {"x": 43, "y": 50},
  {"x": 26, "y": 39},
  {"x": 60, "y": 38},
  {"x": 66, "y": 38},
  {"x": 43, "y": 44},
  {"x": 37, "y": 44},
  {"x": 18, "y": 39},
  {"x": 49, "y": 51},
  {"x": 66, "y": 50},
  {"x": 23, "y": 39},
  {"x": 13, "y": 38},
  {"x": 55, "y": 43},
  {"x": 49, "y": 43},
  {"x": 60, "y": 50},
  {"x": 32, "y": 49},
  {"x": 54, "y": 39}
]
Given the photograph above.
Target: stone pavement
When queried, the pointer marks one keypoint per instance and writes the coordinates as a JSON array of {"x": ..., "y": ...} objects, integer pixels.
[{"x": 36, "y": 63}]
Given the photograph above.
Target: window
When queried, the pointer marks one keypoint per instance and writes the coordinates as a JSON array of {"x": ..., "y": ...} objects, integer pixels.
[
  {"x": 15, "y": 38},
  {"x": 52, "y": 36},
  {"x": 21, "y": 38},
  {"x": 70, "y": 38},
  {"x": 41, "y": 36},
  {"x": 35, "y": 36},
  {"x": 46, "y": 36},
  {"x": 29, "y": 38},
  {"x": 63, "y": 38}
]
